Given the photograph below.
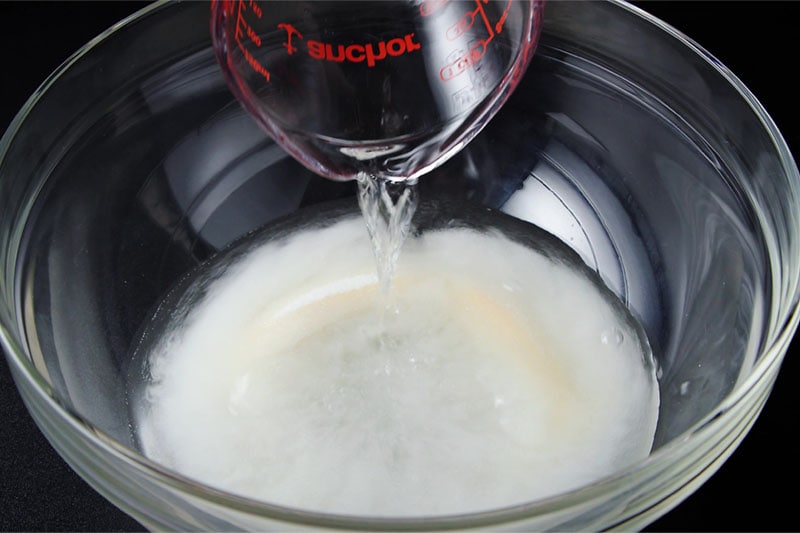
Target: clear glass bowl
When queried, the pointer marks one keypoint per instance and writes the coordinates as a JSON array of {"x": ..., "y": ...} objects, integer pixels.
[{"x": 133, "y": 163}]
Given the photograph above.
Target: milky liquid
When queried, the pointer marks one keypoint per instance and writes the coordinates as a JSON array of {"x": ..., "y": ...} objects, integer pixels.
[{"x": 505, "y": 374}]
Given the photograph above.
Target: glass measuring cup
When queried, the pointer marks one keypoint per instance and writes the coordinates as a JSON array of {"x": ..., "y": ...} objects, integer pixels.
[{"x": 384, "y": 88}]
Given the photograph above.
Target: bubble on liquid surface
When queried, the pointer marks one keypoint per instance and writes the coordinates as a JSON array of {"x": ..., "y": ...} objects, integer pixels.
[
  {"x": 283, "y": 385},
  {"x": 612, "y": 336}
]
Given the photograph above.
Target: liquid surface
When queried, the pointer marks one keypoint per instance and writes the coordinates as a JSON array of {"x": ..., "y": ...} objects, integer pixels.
[{"x": 501, "y": 376}]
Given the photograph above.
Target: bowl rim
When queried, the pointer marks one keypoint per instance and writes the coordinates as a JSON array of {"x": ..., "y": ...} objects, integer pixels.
[{"x": 701, "y": 431}]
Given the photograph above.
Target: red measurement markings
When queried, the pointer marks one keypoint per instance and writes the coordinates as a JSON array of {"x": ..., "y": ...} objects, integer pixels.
[
  {"x": 478, "y": 49},
  {"x": 290, "y": 31},
  {"x": 228, "y": 6},
  {"x": 429, "y": 7},
  {"x": 500, "y": 23},
  {"x": 243, "y": 28},
  {"x": 466, "y": 22},
  {"x": 255, "y": 7}
]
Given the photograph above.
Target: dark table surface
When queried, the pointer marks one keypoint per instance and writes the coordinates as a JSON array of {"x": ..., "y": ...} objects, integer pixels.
[{"x": 753, "y": 491}]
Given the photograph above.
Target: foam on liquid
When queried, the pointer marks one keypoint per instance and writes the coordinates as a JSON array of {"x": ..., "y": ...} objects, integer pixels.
[{"x": 501, "y": 376}]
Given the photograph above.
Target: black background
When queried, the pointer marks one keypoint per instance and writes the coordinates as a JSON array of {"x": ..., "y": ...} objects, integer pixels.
[{"x": 754, "y": 491}]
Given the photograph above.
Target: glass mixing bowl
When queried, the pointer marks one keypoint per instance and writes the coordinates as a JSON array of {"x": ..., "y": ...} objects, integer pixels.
[{"x": 133, "y": 164}]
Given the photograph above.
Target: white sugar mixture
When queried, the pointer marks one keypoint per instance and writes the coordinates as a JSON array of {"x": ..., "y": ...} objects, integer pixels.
[{"x": 501, "y": 376}]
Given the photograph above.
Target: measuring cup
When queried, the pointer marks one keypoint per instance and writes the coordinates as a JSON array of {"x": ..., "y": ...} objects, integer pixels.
[{"x": 387, "y": 88}]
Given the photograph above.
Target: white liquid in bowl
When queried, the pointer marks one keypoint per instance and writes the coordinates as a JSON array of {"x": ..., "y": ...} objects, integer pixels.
[{"x": 502, "y": 377}]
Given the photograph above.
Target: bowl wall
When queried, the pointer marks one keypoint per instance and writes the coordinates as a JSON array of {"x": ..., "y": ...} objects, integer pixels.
[{"x": 135, "y": 165}]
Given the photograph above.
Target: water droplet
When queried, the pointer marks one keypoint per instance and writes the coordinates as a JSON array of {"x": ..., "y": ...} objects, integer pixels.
[
  {"x": 613, "y": 336},
  {"x": 684, "y": 388}
]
